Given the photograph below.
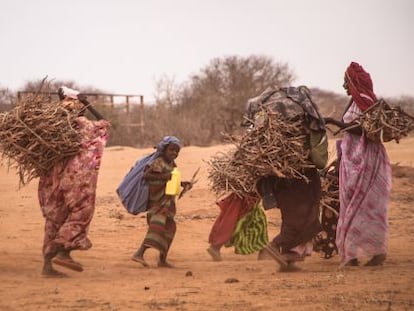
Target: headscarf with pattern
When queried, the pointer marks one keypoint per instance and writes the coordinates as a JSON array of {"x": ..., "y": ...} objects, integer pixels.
[{"x": 360, "y": 86}]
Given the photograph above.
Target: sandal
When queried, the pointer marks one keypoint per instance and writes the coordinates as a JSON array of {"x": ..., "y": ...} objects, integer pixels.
[
  {"x": 54, "y": 274},
  {"x": 377, "y": 260},
  {"x": 354, "y": 262},
  {"x": 68, "y": 263}
]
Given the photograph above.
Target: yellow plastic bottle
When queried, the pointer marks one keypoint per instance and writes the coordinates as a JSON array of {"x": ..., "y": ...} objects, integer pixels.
[{"x": 173, "y": 185}]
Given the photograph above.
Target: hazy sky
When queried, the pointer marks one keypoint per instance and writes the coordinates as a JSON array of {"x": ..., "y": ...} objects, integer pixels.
[{"x": 123, "y": 46}]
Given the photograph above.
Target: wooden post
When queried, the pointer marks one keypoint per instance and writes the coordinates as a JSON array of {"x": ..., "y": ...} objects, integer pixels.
[
  {"x": 141, "y": 115},
  {"x": 127, "y": 104},
  {"x": 111, "y": 98},
  {"x": 128, "y": 119}
]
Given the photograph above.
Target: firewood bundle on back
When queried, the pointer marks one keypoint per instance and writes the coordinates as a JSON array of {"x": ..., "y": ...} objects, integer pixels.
[
  {"x": 277, "y": 147},
  {"x": 36, "y": 135},
  {"x": 383, "y": 123}
]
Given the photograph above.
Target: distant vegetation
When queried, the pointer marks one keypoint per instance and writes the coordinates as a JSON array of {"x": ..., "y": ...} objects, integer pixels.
[{"x": 212, "y": 101}]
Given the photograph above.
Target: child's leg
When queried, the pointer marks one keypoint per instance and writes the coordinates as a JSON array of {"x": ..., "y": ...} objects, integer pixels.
[
  {"x": 140, "y": 251},
  {"x": 163, "y": 261},
  {"x": 139, "y": 255}
]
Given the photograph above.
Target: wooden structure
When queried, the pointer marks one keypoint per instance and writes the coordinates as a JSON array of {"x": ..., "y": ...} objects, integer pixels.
[{"x": 130, "y": 101}]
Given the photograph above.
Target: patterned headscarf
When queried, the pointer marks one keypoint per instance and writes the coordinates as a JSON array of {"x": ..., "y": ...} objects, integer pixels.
[{"x": 360, "y": 86}]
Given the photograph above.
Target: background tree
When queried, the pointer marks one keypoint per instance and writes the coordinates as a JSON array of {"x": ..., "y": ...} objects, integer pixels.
[
  {"x": 210, "y": 102},
  {"x": 214, "y": 100},
  {"x": 7, "y": 99}
]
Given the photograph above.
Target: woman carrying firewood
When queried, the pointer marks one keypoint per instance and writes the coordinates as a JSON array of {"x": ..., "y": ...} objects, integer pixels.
[
  {"x": 364, "y": 179},
  {"x": 277, "y": 157},
  {"x": 67, "y": 192},
  {"x": 297, "y": 198}
]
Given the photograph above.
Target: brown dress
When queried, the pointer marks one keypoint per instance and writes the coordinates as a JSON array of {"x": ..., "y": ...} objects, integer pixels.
[{"x": 298, "y": 202}]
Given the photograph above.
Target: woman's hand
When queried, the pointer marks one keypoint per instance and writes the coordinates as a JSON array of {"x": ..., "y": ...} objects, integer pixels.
[
  {"x": 83, "y": 99},
  {"x": 332, "y": 121},
  {"x": 328, "y": 120}
]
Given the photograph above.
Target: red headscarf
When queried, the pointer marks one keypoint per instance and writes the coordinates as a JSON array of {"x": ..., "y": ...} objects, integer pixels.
[{"x": 360, "y": 86}]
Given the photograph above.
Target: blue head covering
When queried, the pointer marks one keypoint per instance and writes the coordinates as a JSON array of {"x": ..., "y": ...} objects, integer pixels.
[
  {"x": 166, "y": 141},
  {"x": 133, "y": 190}
]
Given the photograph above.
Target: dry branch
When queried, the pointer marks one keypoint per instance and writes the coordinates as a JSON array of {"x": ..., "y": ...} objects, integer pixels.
[
  {"x": 383, "y": 123},
  {"x": 324, "y": 241},
  {"x": 36, "y": 135},
  {"x": 278, "y": 147}
]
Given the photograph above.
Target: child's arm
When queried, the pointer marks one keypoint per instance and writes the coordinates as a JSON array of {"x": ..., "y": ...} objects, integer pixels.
[
  {"x": 186, "y": 184},
  {"x": 150, "y": 174}
]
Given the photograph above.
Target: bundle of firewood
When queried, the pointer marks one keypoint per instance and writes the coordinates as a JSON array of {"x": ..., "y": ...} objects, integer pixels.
[
  {"x": 383, "y": 123},
  {"x": 324, "y": 241},
  {"x": 278, "y": 147},
  {"x": 330, "y": 191},
  {"x": 228, "y": 174},
  {"x": 37, "y": 134}
]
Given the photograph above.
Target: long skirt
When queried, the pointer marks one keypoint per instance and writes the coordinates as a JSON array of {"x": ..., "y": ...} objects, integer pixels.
[
  {"x": 232, "y": 208},
  {"x": 364, "y": 192},
  {"x": 67, "y": 193},
  {"x": 298, "y": 202},
  {"x": 161, "y": 228}
]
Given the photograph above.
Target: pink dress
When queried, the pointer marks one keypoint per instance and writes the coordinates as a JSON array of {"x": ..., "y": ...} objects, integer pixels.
[
  {"x": 67, "y": 193},
  {"x": 364, "y": 192}
]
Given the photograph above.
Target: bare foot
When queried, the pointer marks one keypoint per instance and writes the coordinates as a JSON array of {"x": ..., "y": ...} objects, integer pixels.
[
  {"x": 264, "y": 255},
  {"x": 214, "y": 253},
  {"x": 52, "y": 273},
  {"x": 140, "y": 260},
  {"x": 164, "y": 264}
]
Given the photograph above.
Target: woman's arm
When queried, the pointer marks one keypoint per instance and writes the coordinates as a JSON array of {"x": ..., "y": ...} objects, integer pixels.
[{"x": 352, "y": 127}]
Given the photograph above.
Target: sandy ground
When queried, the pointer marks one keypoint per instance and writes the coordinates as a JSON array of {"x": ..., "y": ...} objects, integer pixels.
[{"x": 111, "y": 281}]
